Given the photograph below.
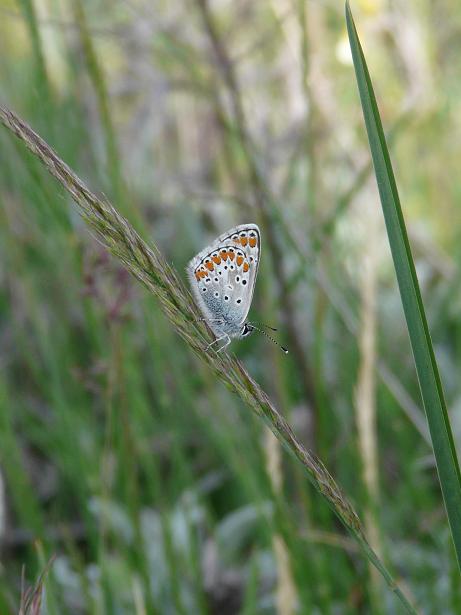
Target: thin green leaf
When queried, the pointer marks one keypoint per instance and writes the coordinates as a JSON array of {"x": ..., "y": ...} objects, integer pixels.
[{"x": 426, "y": 365}]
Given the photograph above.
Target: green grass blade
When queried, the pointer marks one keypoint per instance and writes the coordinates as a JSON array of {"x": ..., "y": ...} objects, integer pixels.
[{"x": 426, "y": 366}]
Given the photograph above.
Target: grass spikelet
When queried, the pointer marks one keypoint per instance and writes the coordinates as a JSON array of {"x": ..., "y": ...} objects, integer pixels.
[{"x": 148, "y": 265}]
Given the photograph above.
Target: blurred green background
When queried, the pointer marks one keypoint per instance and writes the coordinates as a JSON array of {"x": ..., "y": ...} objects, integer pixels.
[{"x": 120, "y": 456}]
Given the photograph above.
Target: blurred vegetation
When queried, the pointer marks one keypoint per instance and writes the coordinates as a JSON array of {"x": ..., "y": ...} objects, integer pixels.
[{"x": 120, "y": 456}]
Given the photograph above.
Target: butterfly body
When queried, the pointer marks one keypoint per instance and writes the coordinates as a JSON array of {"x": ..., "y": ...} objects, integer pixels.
[{"x": 223, "y": 278}]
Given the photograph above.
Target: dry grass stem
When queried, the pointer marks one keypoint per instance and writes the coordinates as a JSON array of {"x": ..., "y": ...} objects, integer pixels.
[
  {"x": 365, "y": 397},
  {"x": 286, "y": 595},
  {"x": 148, "y": 265}
]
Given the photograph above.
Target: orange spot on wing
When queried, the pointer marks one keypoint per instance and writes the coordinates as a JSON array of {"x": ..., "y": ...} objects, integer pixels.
[
  {"x": 236, "y": 240},
  {"x": 244, "y": 241},
  {"x": 203, "y": 274},
  {"x": 231, "y": 255},
  {"x": 239, "y": 260},
  {"x": 209, "y": 266},
  {"x": 197, "y": 276},
  {"x": 216, "y": 259},
  {"x": 252, "y": 242},
  {"x": 246, "y": 267},
  {"x": 224, "y": 255}
]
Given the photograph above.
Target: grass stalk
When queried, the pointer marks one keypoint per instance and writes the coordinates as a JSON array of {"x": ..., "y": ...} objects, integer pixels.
[
  {"x": 286, "y": 594},
  {"x": 365, "y": 397},
  {"x": 150, "y": 268},
  {"x": 100, "y": 88},
  {"x": 30, "y": 15}
]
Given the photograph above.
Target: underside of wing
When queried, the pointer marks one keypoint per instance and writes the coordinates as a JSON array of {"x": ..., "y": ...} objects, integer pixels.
[{"x": 225, "y": 272}]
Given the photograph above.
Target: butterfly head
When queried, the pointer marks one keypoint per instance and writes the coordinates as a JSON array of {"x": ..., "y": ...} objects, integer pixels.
[{"x": 247, "y": 330}]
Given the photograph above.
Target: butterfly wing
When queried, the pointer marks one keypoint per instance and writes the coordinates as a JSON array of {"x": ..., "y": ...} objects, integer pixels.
[{"x": 223, "y": 277}]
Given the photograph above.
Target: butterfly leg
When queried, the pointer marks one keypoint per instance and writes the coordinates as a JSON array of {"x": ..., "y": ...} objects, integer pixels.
[
  {"x": 228, "y": 341},
  {"x": 218, "y": 339}
]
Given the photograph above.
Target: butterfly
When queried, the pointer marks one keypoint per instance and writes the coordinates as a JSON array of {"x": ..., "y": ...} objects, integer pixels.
[{"x": 223, "y": 277}]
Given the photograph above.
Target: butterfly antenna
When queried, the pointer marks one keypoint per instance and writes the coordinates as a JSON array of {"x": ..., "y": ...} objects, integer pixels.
[
  {"x": 261, "y": 324},
  {"x": 285, "y": 350}
]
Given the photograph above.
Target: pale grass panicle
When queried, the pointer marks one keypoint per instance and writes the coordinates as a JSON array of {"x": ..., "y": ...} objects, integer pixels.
[{"x": 149, "y": 266}]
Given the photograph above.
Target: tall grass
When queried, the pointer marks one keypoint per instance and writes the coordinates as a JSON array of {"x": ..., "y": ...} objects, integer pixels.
[
  {"x": 148, "y": 266},
  {"x": 156, "y": 487}
]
